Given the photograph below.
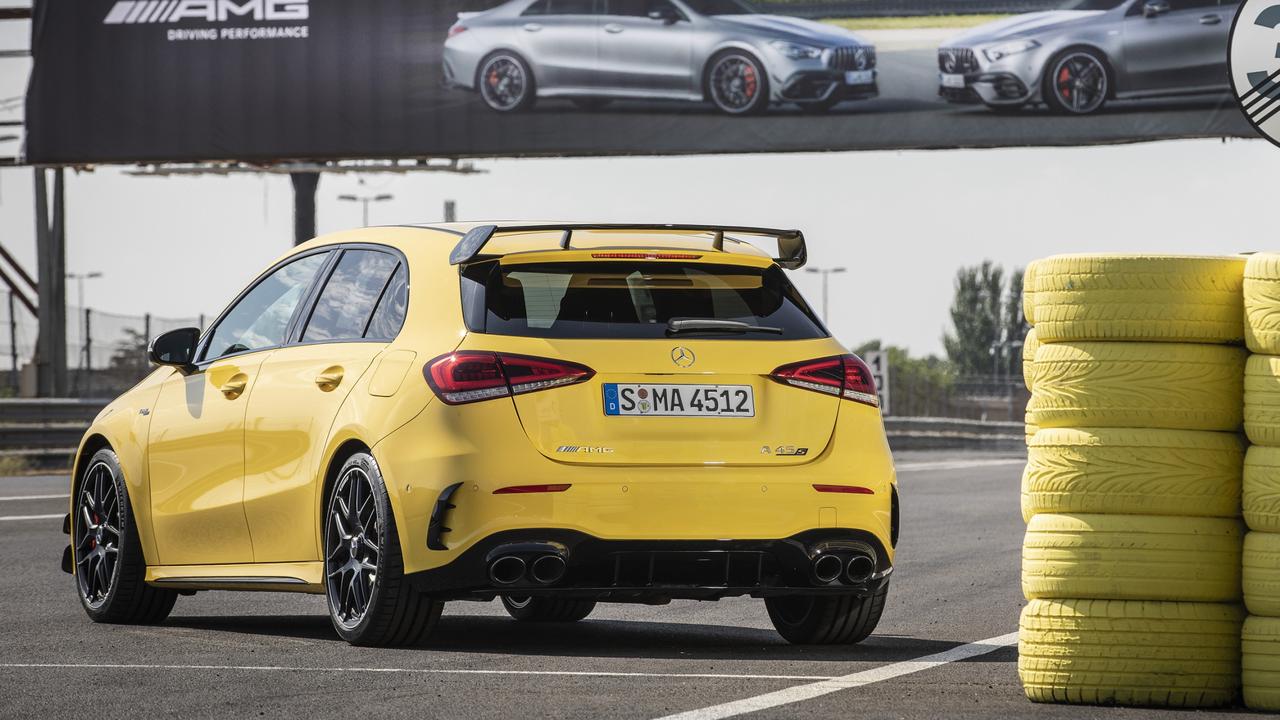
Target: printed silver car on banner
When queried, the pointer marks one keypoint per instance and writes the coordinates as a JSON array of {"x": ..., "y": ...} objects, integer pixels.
[
  {"x": 595, "y": 51},
  {"x": 1076, "y": 59}
]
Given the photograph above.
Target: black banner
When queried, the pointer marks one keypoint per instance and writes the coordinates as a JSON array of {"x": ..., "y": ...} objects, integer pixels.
[{"x": 264, "y": 80}]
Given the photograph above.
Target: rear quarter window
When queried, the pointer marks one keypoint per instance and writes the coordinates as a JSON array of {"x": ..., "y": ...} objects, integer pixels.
[{"x": 628, "y": 299}]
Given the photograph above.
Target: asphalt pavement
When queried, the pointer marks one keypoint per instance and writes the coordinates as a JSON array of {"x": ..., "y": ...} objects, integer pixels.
[{"x": 272, "y": 654}]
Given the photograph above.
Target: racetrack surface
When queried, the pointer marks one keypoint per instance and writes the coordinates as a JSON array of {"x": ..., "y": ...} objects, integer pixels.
[{"x": 241, "y": 654}]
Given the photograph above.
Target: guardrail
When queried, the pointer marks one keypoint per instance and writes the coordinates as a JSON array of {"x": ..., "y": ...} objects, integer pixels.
[{"x": 43, "y": 434}]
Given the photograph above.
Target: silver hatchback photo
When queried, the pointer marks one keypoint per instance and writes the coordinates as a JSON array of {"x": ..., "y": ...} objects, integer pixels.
[
  {"x": 595, "y": 51},
  {"x": 1076, "y": 59}
]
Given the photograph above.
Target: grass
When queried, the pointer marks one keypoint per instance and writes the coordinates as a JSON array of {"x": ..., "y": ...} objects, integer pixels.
[
  {"x": 13, "y": 465},
  {"x": 913, "y": 23}
]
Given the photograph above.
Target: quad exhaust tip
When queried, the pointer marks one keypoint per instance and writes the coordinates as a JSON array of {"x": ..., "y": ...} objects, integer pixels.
[
  {"x": 860, "y": 568},
  {"x": 506, "y": 570},
  {"x": 826, "y": 568}
]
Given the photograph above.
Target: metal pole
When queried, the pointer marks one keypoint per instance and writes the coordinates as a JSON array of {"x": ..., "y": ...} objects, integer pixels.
[
  {"x": 13, "y": 347},
  {"x": 88, "y": 359},
  {"x": 201, "y": 322},
  {"x": 146, "y": 337},
  {"x": 304, "y": 205},
  {"x": 450, "y": 211},
  {"x": 825, "y": 276},
  {"x": 365, "y": 216}
]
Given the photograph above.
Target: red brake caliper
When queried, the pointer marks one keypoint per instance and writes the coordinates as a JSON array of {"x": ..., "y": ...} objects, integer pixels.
[
  {"x": 1064, "y": 77},
  {"x": 749, "y": 74}
]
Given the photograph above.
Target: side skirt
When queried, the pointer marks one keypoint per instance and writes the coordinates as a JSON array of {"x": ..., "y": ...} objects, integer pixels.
[{"x": 301, "y": 577}]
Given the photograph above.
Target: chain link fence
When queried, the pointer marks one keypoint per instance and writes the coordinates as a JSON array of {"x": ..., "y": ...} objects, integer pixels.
[{"x": 106, "y": 352}]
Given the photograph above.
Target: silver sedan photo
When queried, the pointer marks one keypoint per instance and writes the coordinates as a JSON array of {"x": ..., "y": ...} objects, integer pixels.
[
  {"x": 1076, "y": 59},
  {"x": 596, "y": 51}
]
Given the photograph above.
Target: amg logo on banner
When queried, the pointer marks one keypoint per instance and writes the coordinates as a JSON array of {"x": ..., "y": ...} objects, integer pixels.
[{"x": 126, "y": 12}]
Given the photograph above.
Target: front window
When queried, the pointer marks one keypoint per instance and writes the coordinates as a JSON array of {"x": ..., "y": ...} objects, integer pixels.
[
  {"x": 261, "y": 318},
  {"x": 627, "y": 300},
  {"x": 561, "y": 7}
]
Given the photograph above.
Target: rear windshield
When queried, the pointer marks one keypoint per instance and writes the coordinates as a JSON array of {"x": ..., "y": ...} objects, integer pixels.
[{"x": 617, "y": 299}]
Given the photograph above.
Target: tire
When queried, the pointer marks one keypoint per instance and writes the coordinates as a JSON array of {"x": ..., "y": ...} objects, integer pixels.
[
  {"x": 1262, "y": 400},
  {"x": 546, "y": 609},
  {"x": 736, "y": 83},
  {"x": 1029, "y": 292},
  {"x": 826, "y": 620},
  {"x": 1029, "y": 346},
  {"x": 1261, "y": 579},
  {"x": 394, "y": 613},
  {"x": 1133, "y": 472},
  {"x": 1112, "y": 652},
  {"x": 1261, "y": 663},
  {"x": 1262, "y": 489},
  {"x": 1152, "y": 385},
  {"x": 109, "y": 568},
  {"x": 1149, "y": 298},
  {"x": 591, "y": 103},
  {"x": 1050, "y": 88},
  {"x": 1131, "y": 557},
  {"x": 1262, "y": 303},
  {"x": 510, "y": 67}
]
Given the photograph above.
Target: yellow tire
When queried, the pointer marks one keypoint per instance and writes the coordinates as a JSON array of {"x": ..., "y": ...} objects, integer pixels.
[
  {"x": 1262, "y": 400},
  {"x": 1131, "y": 557},
  {"x": 1029, "y": 293},
  {"x": 1262, "y": 303},
  {"x": 1260, "y": 648},
  {"x": 1133, "y": 472},
  {"x": 1261, "y": 579},
  {"x": 1113, "y": 652},
  {"x": 1162, "y": 298},
  {"x": 1142, "y": 385},
  {"x": 1030, "y": 428},
  {"x": 1262, "y": 489},
  {"x": 1029, "y": 347}
]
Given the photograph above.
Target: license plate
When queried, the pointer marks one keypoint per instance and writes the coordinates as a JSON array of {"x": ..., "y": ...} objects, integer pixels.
[
  {"x": 950, "y": 80},
  {"x": 859, "y": 77},
  {"x": 667, "y": 400}
]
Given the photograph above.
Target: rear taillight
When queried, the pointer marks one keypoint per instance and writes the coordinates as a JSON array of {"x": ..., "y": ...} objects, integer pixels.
[
  {"x": 469, "y": 376},
  {"x": 457, "y": 30},
  {"x": 843, "y": 375}
]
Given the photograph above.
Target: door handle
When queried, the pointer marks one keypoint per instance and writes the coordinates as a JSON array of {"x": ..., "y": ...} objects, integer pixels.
[
  {"x": 1210, "y": 19},
  {"x": 330, "y": 379},
  {"x": 234, "y": 386},
  {"x": 532, "y": 27},
  {"x": 614, "y": 28}
]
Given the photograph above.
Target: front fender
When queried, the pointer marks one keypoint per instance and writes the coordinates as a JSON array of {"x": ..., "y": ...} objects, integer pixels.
[{"x": 124, "y": 425}]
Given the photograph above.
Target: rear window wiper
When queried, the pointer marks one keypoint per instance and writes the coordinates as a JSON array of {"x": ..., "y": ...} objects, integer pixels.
[{"x": 675, "y": 326}]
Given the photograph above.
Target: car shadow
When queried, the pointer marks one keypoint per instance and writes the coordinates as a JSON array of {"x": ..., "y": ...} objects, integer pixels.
[
  {"x": 1112, "y": 108},
  {"x": 599, "y": 639}
]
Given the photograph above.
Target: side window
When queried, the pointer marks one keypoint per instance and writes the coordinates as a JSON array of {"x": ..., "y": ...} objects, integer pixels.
[
  {"x": 639, "y": 8},
  {"x": 347, "y": 301},
  {"x": 561, "y": 7},
  {"x": 389, "y": 315},
  {"x": 261, "y": 318}
]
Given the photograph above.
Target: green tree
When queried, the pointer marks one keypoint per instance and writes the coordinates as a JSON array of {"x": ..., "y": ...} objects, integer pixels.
[
  {"x": 978, "y": 316},
  {"x": 919, "y": 386},
  {"x": 1015, "y": 323}
]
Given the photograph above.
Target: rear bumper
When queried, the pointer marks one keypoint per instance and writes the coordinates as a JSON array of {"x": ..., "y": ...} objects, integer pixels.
[{"x": 656, "y": 570}]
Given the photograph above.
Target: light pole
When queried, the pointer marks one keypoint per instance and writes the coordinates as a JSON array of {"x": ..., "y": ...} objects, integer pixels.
[
  {"x": 365, "y": 200},
  {"x": 826, "y": 272},
  {"x": 84, "y": 329}
]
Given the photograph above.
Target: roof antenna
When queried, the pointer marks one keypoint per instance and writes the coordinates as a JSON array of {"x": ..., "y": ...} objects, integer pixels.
[
  {"x": 717, "y": 243},
  {"x": 564, "y": 239}
]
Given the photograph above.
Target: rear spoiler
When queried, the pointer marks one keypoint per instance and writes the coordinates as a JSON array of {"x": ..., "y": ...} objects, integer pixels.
[{"x": 792, "y": 253}]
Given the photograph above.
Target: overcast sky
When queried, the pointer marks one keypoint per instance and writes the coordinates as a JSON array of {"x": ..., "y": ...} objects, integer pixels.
[{"x": 902, "y": 222}]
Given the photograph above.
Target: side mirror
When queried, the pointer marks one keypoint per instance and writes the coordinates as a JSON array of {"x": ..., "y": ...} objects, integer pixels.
[
  {"x": 1152, "y": 8},
  {"x": 176, "y": 348},
  {"x": 666, "y": 14}
]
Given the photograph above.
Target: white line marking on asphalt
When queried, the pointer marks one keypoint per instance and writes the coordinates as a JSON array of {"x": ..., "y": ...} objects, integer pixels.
[
  {"x": 858, "y": 679},
  {"x": 16, "y": 498},
  {"x": 958, "y": 464},
  {"x": 4, "y": 518},
  {"x": 411, "y": 671}
]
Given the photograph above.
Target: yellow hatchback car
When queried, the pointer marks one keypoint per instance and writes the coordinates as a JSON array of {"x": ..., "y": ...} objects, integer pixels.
[{"x": 554, "y": 415}]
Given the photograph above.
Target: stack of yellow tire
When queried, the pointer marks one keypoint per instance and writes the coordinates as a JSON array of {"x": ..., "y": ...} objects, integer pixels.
[
  {"x": 1131, "y": 494},
  {"x": 1261, "y": 641}
]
